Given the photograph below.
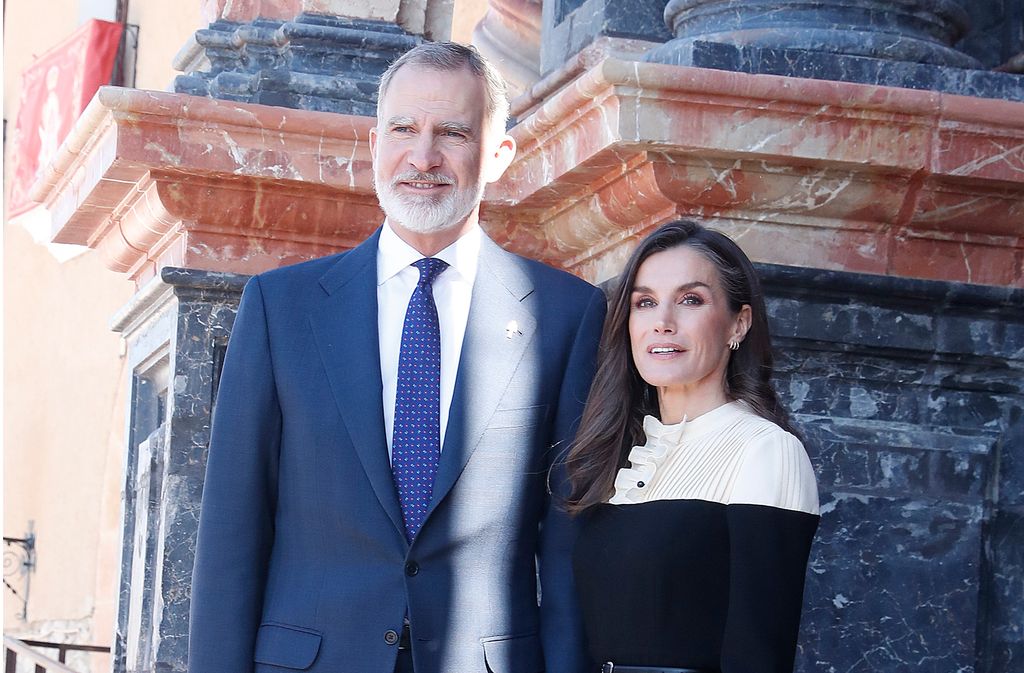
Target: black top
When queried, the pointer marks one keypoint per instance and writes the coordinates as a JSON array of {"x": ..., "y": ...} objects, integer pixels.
[
  {"x": 698, "y": 560},
  {"x": 693, "y": 584}
]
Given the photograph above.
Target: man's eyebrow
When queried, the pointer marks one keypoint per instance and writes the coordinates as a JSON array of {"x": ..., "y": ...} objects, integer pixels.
[
  {"x": 458, "y": 127},
  {"x": 400, "y": 121},
  {"x": 685, "y": 286}
]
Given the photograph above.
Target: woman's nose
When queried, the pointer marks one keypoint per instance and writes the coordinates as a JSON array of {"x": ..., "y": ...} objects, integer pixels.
[{"x": 665, "y": 322}]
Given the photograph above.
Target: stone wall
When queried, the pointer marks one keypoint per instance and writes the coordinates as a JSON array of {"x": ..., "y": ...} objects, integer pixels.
[{"x": 911, "y": 395}]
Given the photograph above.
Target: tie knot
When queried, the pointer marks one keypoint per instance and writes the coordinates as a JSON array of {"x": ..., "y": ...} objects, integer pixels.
[{"x": 430, "y": 268}]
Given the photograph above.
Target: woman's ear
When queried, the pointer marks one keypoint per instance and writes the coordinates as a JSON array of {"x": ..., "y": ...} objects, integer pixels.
[{"x": 741, "y": 326}]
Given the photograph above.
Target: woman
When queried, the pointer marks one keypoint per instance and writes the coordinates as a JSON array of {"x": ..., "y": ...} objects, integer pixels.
[{"x": 698, "y": 500}]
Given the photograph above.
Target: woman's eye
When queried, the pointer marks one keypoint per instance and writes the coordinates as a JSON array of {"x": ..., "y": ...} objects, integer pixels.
[
  {"x": 691, "y": 300},
  {"x": 644, "y": 302}
]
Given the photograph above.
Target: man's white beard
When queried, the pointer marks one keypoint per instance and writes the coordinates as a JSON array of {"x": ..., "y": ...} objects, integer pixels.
[{"x": 426, "y": 214}]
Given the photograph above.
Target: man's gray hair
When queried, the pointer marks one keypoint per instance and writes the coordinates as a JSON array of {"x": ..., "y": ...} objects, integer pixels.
[{"x": 450, "y": 57}]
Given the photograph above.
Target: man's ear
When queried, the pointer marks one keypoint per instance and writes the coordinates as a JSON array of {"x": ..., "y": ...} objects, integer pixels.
[
  {"x": 499, "y": 159},
  {"x": 373, "y": 142}
]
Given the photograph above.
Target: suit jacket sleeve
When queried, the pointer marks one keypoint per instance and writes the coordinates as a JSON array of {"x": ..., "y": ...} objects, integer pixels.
[
  {"x": 561, "y": 624},
  {"x": 236, "y": 524}
]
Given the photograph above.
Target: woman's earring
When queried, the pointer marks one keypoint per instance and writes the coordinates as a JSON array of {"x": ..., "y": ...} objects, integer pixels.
[{"x": 734, "y": 345}]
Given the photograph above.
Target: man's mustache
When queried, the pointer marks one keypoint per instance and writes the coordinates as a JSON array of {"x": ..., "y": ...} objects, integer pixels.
[{"x": 417, "y": 176}]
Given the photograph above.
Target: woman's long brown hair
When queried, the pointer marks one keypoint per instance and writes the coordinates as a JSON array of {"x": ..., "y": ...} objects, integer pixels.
[{"x": 619, "y": 399}]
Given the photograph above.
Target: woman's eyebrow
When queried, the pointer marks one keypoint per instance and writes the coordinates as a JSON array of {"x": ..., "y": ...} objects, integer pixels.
[{"x": 685, "y": 286}]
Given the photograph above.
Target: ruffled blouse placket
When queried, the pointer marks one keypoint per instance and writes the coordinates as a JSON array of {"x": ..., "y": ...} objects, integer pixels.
[{"x": 633, "y": 483}]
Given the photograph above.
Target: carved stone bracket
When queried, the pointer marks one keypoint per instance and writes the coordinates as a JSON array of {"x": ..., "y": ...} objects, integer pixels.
[
  {"x": 153, "y": 179},
  {"x": 802, "y": 172}
]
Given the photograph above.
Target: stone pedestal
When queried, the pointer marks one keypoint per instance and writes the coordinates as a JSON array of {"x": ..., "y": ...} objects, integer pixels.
[
  {"x": 157, "y": 181},
  {"x": 911, "y": 395},
  {"x": 177, "y": 330}
]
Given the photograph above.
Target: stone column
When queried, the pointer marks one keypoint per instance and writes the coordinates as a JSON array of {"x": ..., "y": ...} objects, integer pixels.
[
  {"x": 920, "y": 31},
  {"x": 908, "y": 43},
  {"x": 572, "y": 25},
  {"x": 509, "y": 36}
]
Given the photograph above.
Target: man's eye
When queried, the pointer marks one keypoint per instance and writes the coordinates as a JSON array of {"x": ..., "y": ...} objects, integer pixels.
[
  {"x": 455, "y": 134},
  {"x": 401, "y": 129}
]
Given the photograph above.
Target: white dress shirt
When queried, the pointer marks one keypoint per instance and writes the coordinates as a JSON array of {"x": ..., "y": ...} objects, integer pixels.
[{"x": 453, "y": 288}]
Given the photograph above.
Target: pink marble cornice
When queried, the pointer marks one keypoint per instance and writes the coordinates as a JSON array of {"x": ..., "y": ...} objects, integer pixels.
[
  {"x": 802, "y": 172},
  {"x": 152, "y": 178},
  {"x": 805, "y": 172}
]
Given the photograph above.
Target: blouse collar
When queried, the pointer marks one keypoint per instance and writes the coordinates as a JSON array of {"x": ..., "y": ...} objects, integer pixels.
[{"x": 709, "y": 421}]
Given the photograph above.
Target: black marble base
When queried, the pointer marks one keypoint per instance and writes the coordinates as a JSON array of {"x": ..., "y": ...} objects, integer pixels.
[
  {"x": 315, "y": 62},
  {"x": 842, "y": 68},
  {"x": 177, "y": 329},
  {"x": 910, "y": 395}
]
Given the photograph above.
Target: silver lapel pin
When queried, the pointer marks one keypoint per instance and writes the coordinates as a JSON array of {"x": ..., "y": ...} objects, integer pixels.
[{"x": 512, "y": 330}]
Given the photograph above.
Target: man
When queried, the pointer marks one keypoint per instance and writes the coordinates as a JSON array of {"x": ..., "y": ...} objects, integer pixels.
[{"x": 376, "y": 495}]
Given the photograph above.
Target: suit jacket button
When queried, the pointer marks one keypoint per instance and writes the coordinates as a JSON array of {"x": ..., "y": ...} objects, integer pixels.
[
  {"x": 391, "y": 637},
  {"x": 412, "y": 568}
]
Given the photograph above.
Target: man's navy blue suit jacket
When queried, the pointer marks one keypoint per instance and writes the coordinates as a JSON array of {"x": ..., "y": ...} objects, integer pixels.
[{"x": 302, "y": 563}]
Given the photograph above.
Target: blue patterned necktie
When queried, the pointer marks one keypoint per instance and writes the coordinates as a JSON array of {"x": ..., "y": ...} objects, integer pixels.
[{"x": 416, "y": 440}]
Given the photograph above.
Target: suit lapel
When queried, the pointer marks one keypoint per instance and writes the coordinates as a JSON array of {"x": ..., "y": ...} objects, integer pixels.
[
  {"x": 345, "y": 329},
  {"x": 498, "y": 331}
]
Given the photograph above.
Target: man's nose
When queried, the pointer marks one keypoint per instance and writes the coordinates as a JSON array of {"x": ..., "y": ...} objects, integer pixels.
[{"x": 424, "y": 155}]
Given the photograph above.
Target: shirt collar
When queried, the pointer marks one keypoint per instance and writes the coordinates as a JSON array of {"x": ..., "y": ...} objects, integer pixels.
[{"x": 394, "y": 254}]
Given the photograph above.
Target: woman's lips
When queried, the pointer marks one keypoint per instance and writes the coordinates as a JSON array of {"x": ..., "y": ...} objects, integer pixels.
[{"x": 665, "y": 350}]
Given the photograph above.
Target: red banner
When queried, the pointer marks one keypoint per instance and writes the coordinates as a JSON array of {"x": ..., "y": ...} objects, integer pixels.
[{"x": 54, "y": 91}]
